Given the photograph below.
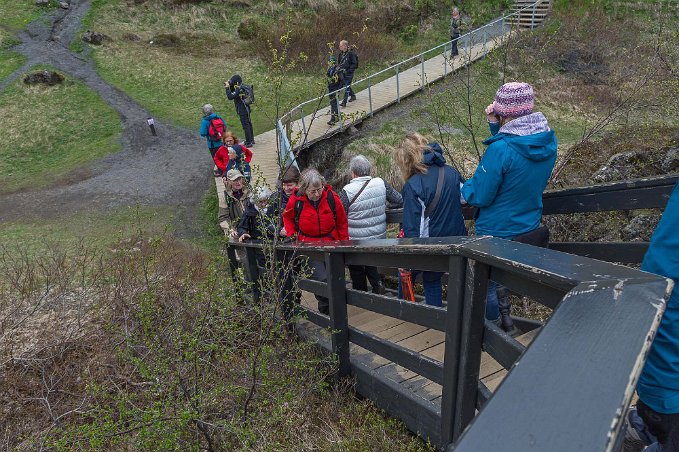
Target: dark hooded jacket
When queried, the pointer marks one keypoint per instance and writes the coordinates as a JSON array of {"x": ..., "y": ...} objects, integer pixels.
[
  {"x": 419, "y": 191},
  {"x": 508, "y": 183},
  {"x": 234, "y": 93}
]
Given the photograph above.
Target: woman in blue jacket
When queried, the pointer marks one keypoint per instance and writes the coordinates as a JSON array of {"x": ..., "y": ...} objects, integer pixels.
[
  {"x": 508, "y": 183},
  {"x": 422, "y": 164}
]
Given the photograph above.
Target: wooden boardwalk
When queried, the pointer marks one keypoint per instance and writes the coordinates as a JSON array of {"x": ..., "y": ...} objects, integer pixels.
[
  {"x": 381, "y": 95},
  {"x": 430, "y": 343}
]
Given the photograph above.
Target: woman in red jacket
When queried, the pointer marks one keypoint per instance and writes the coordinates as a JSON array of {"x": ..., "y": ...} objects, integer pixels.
[
  {"x": 314, "y": 213},
  {"x": 233, "y": 155}
]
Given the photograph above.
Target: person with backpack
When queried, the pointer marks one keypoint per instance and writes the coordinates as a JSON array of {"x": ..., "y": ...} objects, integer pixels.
[
  {"x": 365, "y": 199},
  {"x": 233, "y": 155},
  {"x": 212, "y": 127},
  {"x": 432, "y": 204},
  {"x": 348, "y": 63},
  {"x": 335, "y": 78},
  {"x": 314, "y": 214},
  {"x": 507, "y": 185},
  {"x": 243, "y": 96}
]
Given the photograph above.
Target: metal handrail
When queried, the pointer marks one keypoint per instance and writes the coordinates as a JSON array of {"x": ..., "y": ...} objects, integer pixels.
[{"x": 420, "y": 55}]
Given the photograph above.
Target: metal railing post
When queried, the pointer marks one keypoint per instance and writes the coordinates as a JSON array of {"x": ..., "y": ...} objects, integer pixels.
[
  {"x": 485, "y": 39},
  {"x": 532, "y": 20},
  {"x": 422, "y": 70},
  {"x": 339, "y": 320},
  {"x": 370, "y": 97},
  {"x": 301, "y": 114},
  {"x": 398, "y": 88},
  {"x": 339, "y": 106},
  {"x": 445, "y": 61}
]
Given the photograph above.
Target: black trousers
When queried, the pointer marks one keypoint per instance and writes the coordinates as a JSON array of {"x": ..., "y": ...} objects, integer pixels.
[
  {"x": 289, "y": 297},
  {"x": 454, "y": 39},
  {"x": 347, "y": 87},
  {"x": 247, "y": 127},
  {"x": 665, "y": 427},
  {"x": 334, "y": 107},
  {"x": 359, "y": 273}
]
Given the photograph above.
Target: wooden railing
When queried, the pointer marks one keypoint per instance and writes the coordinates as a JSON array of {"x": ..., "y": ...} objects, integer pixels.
[{"x": 576, "y": 379}]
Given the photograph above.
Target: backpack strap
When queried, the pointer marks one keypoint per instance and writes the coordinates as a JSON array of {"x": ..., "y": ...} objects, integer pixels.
[
  {"x": 439, "y": 187},
  {"x": 299, "y": 205},
  {"x": 331, "y": 203},
  {"x": 359, "y": 192}
]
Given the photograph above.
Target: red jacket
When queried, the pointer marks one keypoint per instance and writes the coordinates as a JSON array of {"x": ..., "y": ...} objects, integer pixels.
[
  {"x": 316, "y": 225},
  {"x": 222, "y": 156}
]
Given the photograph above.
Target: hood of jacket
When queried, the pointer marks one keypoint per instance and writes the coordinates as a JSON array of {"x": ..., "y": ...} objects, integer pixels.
[
  {"x": 434, "y": 156},
  {"x": 236, "y": 80},
  {"x": 211, "y": 116},
  {"x": 528, "y": 135}
]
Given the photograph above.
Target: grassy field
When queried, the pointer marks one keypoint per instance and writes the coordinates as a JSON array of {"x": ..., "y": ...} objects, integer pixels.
[
  {"x": 178, "y": 56},
  {"x": 72, "y": 127},
  {"x": 101, "y": 230}
]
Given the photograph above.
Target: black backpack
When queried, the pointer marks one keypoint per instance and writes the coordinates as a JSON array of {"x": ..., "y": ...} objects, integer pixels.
[{"x": 299, "y": 205}]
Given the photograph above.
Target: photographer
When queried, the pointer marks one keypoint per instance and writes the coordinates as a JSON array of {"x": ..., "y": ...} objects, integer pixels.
[{"x": 236, "y": 92}]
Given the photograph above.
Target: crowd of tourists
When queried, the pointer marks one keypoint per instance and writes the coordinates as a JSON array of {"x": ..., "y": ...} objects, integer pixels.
[{"x": 505, "y": 190}]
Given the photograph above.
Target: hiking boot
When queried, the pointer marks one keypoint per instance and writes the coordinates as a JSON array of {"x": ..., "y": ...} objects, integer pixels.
[
  {"x": 333, "y": 120},
  {"x": 505, "y": 307},
  {"x": 380, "y": 289},
  {"x": 247, "y": 144},
  {"x": 344, "y": 103},
  {"x": 352, "y": 98}
]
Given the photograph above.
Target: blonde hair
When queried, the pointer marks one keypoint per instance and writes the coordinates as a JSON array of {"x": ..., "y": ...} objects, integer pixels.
[
  {"x": 409, "y": 155},
  {"x": 232, "y": 135}
]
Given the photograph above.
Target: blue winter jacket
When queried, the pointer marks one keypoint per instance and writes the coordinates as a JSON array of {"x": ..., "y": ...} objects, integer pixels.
[
  {"x": 205, "y": 125},
  {"x": 659, "y": 382},
  {"x": 446, "y": 219},
  {"x": 508, "y": 183}
]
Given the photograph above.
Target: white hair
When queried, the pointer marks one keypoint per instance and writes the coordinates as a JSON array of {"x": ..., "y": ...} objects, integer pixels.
[
  {"x": 208, "y": 109},
  {"x": 360, "y": 166}
]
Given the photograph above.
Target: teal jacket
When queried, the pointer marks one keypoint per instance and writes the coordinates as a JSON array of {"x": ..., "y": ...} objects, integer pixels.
[
  {"x": 508, "y": 183},
  {"x": 659, "y": 381},
  {"x": 204, "y": 127}
]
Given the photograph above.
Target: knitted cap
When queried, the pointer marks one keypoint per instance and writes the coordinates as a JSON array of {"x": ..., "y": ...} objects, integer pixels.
[{"x": 514, "y": 99}]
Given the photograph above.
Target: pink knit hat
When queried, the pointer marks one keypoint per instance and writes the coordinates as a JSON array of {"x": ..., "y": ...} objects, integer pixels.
[{"x": 514, "y": 99}]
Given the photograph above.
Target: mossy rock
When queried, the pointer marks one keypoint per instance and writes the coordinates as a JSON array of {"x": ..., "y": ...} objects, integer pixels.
[
  {"x": 166, "y": 40},
  {"x": 50, "y": 78}
]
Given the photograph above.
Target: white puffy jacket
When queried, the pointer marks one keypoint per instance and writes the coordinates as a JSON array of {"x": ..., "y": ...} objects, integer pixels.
[{"x": 367, "y": 217}]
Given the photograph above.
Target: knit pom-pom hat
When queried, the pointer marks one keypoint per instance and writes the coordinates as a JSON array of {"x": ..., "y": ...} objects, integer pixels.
[{"x": 514, "y": 99}]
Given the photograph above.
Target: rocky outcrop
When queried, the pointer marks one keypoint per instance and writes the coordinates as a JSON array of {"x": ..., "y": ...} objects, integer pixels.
[
  {"x": 95, "y": 38},
  {"x": 49, "y": 78}
]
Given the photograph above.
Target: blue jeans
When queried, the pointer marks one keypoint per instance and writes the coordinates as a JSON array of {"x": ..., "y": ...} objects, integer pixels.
[
  {"x": 433, "y": 293},
  {"x": 492, "y": 305}
]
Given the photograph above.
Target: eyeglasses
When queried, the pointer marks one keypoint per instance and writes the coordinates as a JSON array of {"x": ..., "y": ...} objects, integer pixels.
[{"x": 315, "y": 191}]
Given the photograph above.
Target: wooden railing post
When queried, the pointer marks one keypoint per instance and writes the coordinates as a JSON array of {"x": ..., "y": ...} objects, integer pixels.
[
  {"x": 252, "y": 272},
  {"x": 457, "y": 269},
  {"x": 339, "y": 320},
  {"x": 473, "y": 315}
]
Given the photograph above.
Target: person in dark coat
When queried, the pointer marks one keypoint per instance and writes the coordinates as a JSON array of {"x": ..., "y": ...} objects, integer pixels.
[
  {"x": 235, "y": 93},
  {"x": 289, "y": 298},
  {"x": 335, "y": 78},
  {"x": 422, "y": 164},
  {"x": 208, "y": 115},
  {"x": 348, "y": 63},
  {"x": 454, "y": 30}
]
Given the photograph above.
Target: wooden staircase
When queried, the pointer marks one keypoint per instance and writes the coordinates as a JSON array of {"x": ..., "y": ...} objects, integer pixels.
[{"x": 530, "y": 17}]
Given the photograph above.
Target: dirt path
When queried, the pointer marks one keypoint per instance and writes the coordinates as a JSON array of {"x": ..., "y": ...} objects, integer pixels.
[{"x": 172, "y": 169}]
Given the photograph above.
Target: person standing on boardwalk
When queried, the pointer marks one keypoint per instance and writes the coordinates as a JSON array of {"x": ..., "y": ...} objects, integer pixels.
[
  {"x": 431, "y": 200},
  {"x": 334, "y": 76},
  {"x": 658, "y": 386},
  {"x": 237, "y": 91},
  {"x": 212, "y": 127},
  {"x": 508, "y": 183},
  {"x": 365, "y": 199},
  {"x": 348, "y": 63},
  {"x": 315, "y": 214},
  {"x": 455, "y": 24}
]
